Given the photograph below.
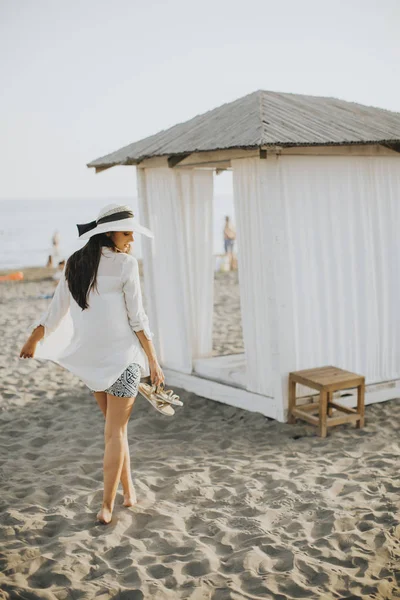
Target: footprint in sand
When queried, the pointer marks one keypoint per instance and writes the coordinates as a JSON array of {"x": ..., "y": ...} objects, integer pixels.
[
  {"x": 159, "y": 571},
  {"x": 197, "y": 568}
]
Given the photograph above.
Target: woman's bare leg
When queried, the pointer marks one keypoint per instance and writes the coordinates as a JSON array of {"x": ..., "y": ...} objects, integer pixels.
[
  {"x": 231, "y": 260},
  {"x": 101, "y": 398},
  {"x": 117, "y": 417},
  {"x": 126, "y": 477}
]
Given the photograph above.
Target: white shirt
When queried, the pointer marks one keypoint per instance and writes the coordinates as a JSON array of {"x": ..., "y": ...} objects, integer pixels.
[{"x": 98, "y": 343}]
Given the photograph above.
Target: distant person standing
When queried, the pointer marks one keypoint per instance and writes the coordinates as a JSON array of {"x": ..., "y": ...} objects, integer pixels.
[
  {"x": 229, "y": 241},
  {"x": 55, "y": 240},
  {"x": 54, "y": 256}
]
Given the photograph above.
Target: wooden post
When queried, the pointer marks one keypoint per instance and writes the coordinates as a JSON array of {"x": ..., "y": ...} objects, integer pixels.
[
  {"x": 330, "y": 399},
  {"x": 360, "y": 405},
  {"x": 292, "y": 400},
  {"x": 323, "y": 401}
]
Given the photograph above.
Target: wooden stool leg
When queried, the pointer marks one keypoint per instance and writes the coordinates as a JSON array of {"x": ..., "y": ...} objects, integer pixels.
[
  {"x": 323, "y": 401},
  {"x": 361, "y": 405},
  {"x": 292, "y": 400},
  {"x": 330, "y": 409}
]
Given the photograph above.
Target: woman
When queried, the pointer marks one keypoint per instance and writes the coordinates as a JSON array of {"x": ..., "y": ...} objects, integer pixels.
[
  {"x": 229, "y": 240},
  {"x": 96, "y": 328}
]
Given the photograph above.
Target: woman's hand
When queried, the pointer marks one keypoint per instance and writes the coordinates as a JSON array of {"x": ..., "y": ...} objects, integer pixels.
[
  {"x": 28, "y": 349},
  {"x": 156, "y": 374}
]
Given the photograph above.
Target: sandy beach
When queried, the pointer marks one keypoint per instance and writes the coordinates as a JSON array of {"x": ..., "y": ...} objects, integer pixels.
[{"x": 231, "y": 505}]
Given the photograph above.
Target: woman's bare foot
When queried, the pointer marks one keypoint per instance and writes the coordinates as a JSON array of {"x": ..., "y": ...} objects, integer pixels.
[
  {"x": 130, "y": 497},
  {"x": 104, "y": 515}
]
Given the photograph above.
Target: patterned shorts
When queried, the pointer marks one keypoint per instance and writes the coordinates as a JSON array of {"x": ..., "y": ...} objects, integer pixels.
[{"x": 127, "y": 384}]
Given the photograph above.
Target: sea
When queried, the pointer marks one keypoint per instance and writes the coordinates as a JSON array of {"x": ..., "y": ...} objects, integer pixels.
[{"x": 28, "y": 225}]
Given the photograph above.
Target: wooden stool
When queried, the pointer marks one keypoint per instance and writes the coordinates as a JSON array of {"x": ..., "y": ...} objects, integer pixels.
[{"x": 327, "y": 380}]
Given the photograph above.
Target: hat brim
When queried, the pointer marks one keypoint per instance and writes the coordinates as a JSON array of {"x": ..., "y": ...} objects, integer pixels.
[{"x": 124, "y": 225}]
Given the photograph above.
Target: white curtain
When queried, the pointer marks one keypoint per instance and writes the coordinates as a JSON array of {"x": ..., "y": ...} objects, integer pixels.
[
  {"x": 197, "y": 191},
  {"x": 255, "y": 273},
  {"x": 178, "y": 268},
  {"x": 319, "y": 265}
]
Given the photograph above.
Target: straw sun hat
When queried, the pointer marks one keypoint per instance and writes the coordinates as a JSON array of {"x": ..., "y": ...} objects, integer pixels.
[{"x": 113, "y": 217}]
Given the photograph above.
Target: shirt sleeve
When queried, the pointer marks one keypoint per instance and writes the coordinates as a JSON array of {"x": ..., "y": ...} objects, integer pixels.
[
  {"x": 57, "y": 308},
  {"x": 137, "y": 317}
]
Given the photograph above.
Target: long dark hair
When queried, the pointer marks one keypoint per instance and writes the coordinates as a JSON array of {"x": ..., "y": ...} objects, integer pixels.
[{"x": 82, "y": 266}]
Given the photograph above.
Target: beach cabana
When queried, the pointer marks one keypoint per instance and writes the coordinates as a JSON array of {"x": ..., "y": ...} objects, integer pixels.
[{"x": 316, "y": 184}]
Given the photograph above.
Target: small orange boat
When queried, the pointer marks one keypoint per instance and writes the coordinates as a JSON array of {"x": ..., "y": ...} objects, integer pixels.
[{"x": 17, "y": 276}]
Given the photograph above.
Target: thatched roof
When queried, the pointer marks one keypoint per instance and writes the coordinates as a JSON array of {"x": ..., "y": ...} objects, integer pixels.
[{"x": 266, "y": 119}]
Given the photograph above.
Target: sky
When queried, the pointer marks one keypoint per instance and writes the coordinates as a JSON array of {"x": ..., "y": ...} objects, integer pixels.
[{"x": 82, "y": 78}]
